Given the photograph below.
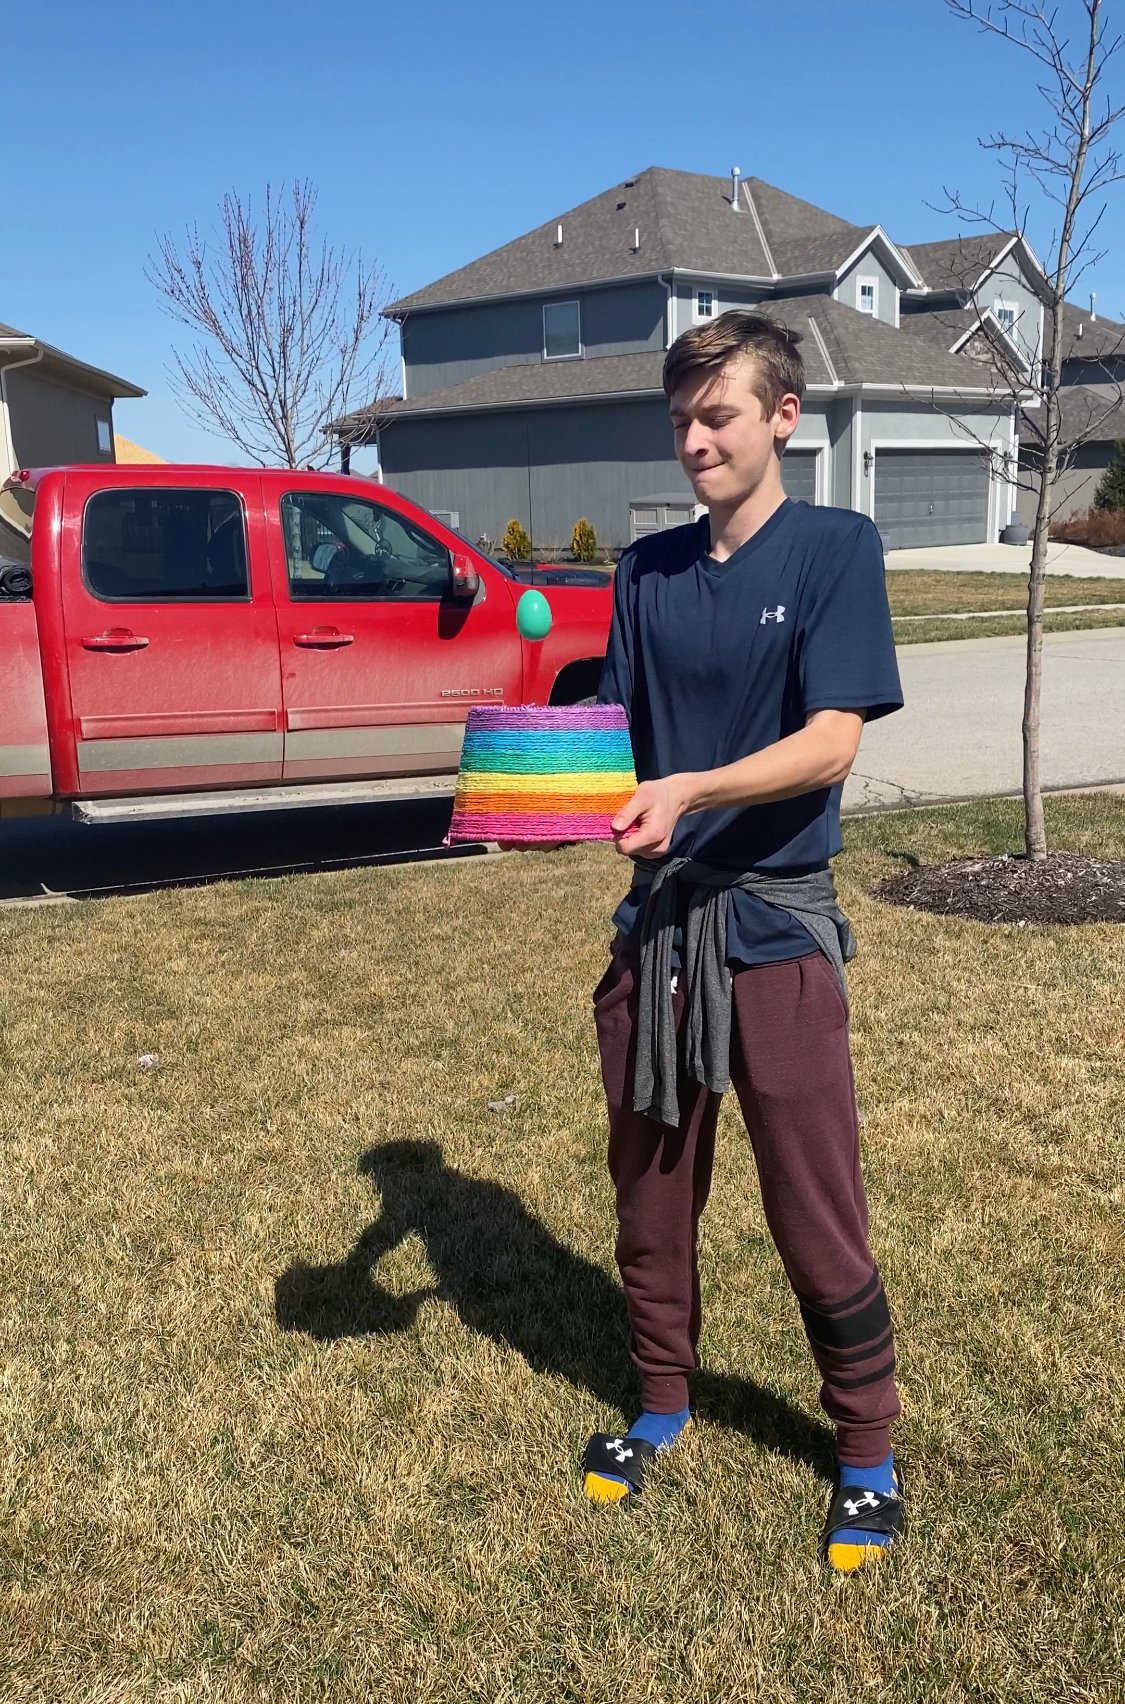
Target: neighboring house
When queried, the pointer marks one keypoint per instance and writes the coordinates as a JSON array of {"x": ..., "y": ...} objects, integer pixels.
[
  {"x": 125, "y": 450},
  {"x": 53, "y": 408},
  {"x": 1093, "y": 411},
  {"x": 531, "y": 377}
]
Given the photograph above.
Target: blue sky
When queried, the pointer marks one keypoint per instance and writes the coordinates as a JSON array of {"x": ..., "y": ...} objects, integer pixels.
[{"x": 436, "y": 131}]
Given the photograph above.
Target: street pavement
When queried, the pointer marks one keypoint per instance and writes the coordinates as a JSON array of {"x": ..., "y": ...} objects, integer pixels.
[{"x": 959, "y": 736}]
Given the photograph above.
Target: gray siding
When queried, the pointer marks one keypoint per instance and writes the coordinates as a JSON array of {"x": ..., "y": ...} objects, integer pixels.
[
  {"x": 1074, "y": 488},
  {"x": 840, "y": 415},
  {"x": 450, "y": 345},
  {"x": 1009, "y": 285},
  {"x": 870, "y": 266},
  {"x": 55, "y": 422},
  {"x": 542, "y": 467},
  {"x": 1106, "y": 377},
  {"x": 726, "y": 296}
]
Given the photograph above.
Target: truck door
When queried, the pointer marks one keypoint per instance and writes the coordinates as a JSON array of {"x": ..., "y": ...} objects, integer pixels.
[
  {"x": 170, "y": 634},
  {"x": 379, "y": 661}
]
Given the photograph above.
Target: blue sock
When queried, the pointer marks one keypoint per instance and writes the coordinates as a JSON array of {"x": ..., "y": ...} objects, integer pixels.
[
  {"x": 659, "y": 1430},
  {"x": 880, "y": 1479}
]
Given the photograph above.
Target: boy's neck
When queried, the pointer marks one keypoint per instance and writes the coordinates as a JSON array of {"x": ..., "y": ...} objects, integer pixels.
[{"x": 732, "y": 524}]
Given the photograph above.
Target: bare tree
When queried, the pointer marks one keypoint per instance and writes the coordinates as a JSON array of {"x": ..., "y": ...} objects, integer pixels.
[
  {"x": 291, "y": 327},
  {"x": 1072, "y": 163}
]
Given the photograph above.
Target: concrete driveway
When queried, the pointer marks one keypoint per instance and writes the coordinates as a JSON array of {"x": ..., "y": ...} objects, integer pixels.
[
  {"x": 959, "y": 736},
  {"x": 1010, "y": 559}
]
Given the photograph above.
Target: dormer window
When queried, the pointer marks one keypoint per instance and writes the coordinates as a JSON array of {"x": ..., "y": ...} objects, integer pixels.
[
  {"x": 868, "y": 302},
  {"x": 704, "y": 305},
  {"x": 1005, "y": 316}
]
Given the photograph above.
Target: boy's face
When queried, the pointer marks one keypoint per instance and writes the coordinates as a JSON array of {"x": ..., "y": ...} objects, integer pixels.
[{"x": 724, "y": 438}]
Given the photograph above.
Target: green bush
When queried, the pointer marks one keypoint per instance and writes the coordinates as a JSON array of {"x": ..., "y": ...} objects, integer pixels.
[
  {"x": 584, "y": 542},
  {"x": 1111, "y": 487},
  {"x": 515, "y": 544}
]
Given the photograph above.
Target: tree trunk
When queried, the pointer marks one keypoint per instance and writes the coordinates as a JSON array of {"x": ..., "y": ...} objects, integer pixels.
[{"x": 1035, "y": 830}]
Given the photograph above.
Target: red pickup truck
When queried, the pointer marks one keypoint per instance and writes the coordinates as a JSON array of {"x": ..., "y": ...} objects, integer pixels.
[{"x": 185, "y": 640}]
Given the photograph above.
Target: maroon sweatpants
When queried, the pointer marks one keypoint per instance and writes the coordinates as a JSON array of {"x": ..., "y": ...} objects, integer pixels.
[{"x": 791, "y": 1069}]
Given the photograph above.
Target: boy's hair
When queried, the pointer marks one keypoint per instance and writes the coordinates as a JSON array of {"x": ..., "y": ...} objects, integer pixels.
[{"x": 778, "y": 368}]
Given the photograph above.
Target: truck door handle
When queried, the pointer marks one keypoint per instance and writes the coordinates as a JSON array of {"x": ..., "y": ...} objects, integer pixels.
[
  {"x": 323, "y": 639},
  {"x": 117, "y": 639}
]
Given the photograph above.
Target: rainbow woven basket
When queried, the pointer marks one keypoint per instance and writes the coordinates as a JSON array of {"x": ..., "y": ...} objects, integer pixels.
[{"x": 533, "y": 773}]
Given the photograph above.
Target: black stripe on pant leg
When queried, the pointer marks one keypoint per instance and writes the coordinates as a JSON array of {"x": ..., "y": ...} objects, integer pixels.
[
  {"x": 850, "y": 1357},
  {"x": 830, "y": 1309},
  {"x": 883, "y": 1372},
  {"x": 871, "y": 1320}
]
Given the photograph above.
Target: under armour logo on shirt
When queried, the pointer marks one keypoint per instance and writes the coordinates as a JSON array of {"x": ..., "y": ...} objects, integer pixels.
[{"x": 777, "y": 615}]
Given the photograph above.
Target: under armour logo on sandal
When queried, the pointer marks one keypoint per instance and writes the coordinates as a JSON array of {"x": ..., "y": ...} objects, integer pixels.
[
  {"x": 616, "y": 1449},
  {"x": 854, "y": 1504},
  {"x": 777, "y": 615}
]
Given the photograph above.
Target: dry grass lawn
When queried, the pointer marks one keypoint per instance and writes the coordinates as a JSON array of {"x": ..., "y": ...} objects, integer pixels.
[
  {"x": 934, "y": 591},
  {"x": 300, "y": 1339}
]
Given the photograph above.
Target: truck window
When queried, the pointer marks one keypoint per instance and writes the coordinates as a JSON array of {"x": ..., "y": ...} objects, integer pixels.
[
  {"x": 338, "y": 546},
  {"x": 155, "y": 546},
  {"x": 15, "y": 543}
]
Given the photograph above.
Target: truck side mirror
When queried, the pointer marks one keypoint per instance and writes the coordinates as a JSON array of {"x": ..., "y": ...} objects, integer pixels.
[{"x": 466, "y": 580}]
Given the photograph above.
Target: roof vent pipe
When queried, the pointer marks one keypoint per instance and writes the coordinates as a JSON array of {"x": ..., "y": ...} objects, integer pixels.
[
  {"x": 1093, "y": 304},
  {"x": 636, "y": 238},
  {"x": 735, "y": 174},
  {"x": 558, "y": 236}
]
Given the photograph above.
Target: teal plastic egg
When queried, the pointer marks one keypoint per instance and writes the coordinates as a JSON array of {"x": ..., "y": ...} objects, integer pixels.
[{"x": 533, "y": 616}]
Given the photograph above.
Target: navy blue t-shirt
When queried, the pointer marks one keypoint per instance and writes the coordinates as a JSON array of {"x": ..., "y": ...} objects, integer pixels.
[{"x": 715, "y": 660}]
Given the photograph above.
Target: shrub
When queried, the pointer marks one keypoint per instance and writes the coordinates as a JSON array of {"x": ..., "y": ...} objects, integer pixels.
[
  {"x": 1111, "y": 487},
  {"x": 1095, "y": 528},
  {"x": 584, "y": 542},
  {"x": 516, "y": 544}
]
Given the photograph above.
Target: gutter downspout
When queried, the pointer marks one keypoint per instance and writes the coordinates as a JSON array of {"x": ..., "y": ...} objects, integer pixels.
[{"x": 10, "y": 367}]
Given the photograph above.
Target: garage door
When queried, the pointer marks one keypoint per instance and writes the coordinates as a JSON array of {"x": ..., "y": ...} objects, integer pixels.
[
  {"x": 931, "y": 497},
  {"x": 798, "y": 475}
]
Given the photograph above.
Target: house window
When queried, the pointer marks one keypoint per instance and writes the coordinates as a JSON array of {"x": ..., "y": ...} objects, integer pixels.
[
  {"x": 704, "y": 304},
  {"x": 105, "y": 436},
  {"x": 1006, "y": 316},
  {"x": 562, "y": 330},
  {"x": 868, "y": 295}
]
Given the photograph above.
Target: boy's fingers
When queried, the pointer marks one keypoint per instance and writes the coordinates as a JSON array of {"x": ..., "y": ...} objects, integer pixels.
[{"x": 628, "y": 814}]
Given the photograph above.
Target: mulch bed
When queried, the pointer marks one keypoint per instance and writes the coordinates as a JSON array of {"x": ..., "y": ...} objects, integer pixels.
[{"x": 1063, "y": 888}]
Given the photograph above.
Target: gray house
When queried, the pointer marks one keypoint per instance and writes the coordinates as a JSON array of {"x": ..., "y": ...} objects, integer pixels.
[
  {"x": 1093, "y": 411},
  {"x": 53, "y": 408},
  {"x": 531, "y": 377}
]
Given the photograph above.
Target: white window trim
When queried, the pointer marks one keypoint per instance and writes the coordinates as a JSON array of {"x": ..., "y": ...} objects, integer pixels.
[
  {"x": 696, "y": 317},
  {"x": 100, "y": 421},
  {"x": 1010, "y": 307},
  {"x": 577, "y": 354},
  {"x": 874, "y": 283}
]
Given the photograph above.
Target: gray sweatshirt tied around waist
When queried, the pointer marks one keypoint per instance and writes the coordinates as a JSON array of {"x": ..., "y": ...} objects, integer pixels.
[{"x": 810, "y": 899}]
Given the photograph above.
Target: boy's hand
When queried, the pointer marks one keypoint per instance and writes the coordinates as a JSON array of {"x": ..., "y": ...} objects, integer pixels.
[{"x": 643, "y": 827}]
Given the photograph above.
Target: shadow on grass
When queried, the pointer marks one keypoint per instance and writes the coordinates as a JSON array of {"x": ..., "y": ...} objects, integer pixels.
[{"x": 512, "y": 1281}]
